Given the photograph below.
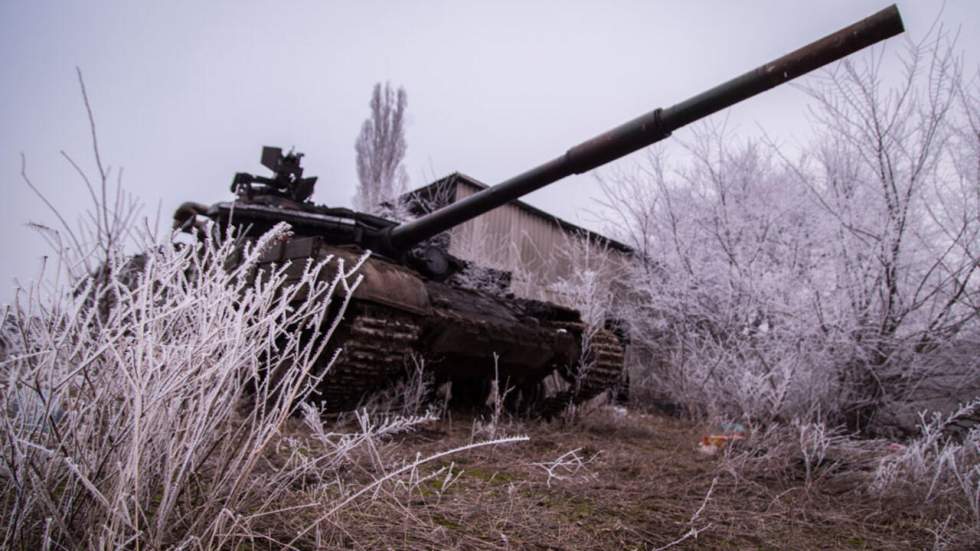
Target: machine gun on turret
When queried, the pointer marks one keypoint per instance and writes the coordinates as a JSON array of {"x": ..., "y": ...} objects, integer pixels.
[{"x": 287, "y": 181}]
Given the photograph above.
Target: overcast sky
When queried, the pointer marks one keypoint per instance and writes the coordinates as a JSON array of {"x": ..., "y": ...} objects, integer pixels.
[{"x": 186, "y": 93}]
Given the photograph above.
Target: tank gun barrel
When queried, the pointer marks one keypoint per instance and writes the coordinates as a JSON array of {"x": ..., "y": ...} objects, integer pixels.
[{"x": 652, "y": 127}]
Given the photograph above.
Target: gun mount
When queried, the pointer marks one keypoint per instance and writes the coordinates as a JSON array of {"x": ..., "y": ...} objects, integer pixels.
[
  {"x": 287, "y": 182},
  {"x": 407, "y": 305}
]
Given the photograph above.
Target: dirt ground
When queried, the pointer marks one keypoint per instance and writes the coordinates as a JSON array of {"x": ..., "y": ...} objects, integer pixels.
[{"x": 641, "y": 484}]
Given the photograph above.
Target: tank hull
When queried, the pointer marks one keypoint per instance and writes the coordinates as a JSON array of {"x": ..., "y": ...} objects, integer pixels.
[{"x": 464, "y": 336}]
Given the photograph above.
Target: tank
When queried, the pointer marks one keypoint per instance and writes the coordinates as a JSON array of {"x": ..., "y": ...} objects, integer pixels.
[{"x": 410, "y": 301}]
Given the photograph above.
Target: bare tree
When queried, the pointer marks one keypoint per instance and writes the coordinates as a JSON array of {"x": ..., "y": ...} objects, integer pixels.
[
  {"x": 896, "y": 171},
  {"x": 380, "y": 150}
]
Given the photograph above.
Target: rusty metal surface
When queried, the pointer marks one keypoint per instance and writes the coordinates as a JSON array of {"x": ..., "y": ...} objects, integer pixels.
[
  {"x": 386, "y": 283},
  {"x": 870, "y": 30},
  {"x": 467, "y": 325}
]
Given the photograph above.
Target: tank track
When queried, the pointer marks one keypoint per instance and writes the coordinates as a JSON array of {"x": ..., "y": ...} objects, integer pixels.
[
  {"x": 376, "y": 342},
  {"x": 605, "y": 365}
]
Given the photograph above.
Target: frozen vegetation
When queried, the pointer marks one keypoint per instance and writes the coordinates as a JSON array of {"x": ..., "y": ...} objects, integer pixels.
[{"x": 820, "y": 300}]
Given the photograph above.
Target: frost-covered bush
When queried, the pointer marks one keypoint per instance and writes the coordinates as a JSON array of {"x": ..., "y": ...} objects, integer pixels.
[
  {"x": 935, "y": 466},
  {"x": 143, "y": 422},
  {"x": 935, "y": 474},
  {"x": 843, "y": 281}
]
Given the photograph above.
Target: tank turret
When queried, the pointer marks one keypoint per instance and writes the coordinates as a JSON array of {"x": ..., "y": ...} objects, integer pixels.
[{"x": 407, "y": 305}]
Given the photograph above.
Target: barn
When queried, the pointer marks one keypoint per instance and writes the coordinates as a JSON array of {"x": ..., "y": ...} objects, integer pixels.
[{"x": 543, "y": 252}]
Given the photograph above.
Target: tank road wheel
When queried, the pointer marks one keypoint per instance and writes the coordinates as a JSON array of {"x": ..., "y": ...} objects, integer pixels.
[{"x": 376, "y": 342}]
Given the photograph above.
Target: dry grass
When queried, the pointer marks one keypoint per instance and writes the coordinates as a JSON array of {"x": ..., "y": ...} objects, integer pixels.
[{"x": 638, "y": 484}]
